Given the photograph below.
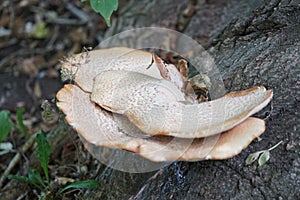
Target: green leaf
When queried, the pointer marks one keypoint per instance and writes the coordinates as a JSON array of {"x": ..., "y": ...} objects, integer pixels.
[
  {"x": 40, "y": 31},
  {"x": 264, "y": 157},
  {"x": 21, "y": 126},
  {"x": 87, "y": 184},
  {"x": 23, "y": 179},
  {"x": 5, "y": 124},
  {"x": 35, "y": 177},
  {"x": 43, "y": 151},
  {"x": 252, "y": 157},
  {"x": 105, "y": 8}
]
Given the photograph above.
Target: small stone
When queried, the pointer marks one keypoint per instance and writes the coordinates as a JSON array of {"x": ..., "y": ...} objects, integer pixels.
[{"x": 289, "y": 146}]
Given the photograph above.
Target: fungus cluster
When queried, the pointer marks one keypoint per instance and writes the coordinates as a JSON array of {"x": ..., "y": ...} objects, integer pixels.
[{"x": 131, "y": 100}]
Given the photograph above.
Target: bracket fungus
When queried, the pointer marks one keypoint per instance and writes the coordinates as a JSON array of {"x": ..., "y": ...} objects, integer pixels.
[{"x": 131, "y": 100}]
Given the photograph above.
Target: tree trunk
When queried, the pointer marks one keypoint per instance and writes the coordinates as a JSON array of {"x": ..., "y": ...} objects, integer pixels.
[{"x": 253, "y": 43}]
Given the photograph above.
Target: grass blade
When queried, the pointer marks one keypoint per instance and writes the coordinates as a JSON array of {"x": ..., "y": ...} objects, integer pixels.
[
  {"x": 44, "y": 152},
  {"x": 21, "y": 126},
  {"x": 5, "y": 124},
  {"x": 87, "y": 184}
]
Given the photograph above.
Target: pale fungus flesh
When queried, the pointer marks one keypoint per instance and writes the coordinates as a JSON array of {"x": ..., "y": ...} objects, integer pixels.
[{"x": 155, "y": 105}]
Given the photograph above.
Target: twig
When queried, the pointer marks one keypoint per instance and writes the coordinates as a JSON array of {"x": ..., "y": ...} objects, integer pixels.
[
  {"x": 16, "y": 158},
  {"x": 276, "y": 145},
  {"x": 11, "y": 15},
  {"x": 53, "y": 38},
  {"x": 84, "y": 17},
  {"x": 20, "y": 53},
  {"x": 8, "y": 43}
]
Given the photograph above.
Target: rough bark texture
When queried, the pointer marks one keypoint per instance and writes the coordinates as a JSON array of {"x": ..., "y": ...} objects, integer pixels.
[{"x": 253, "y": 43}]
